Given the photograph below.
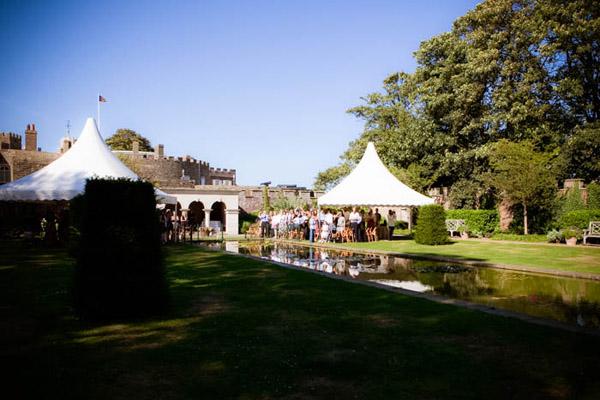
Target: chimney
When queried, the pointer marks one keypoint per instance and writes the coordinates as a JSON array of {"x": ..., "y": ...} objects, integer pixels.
[
  {"x": 135, "y": 146},
  {"x": 159, "y": 151},
  {"x": 31, "y": 138}
]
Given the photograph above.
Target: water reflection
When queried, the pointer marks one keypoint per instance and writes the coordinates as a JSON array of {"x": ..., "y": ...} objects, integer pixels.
[{"x": 575, "y": 301}]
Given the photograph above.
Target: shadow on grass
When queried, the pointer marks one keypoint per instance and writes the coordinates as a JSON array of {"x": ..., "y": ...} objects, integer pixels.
[{"x": 240, "y": 328}]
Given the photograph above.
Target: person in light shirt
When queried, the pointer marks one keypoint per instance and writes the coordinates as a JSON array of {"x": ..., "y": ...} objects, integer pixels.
[
  {"x": 355, "y": 220},
  {"x": 391, "y": 220}
]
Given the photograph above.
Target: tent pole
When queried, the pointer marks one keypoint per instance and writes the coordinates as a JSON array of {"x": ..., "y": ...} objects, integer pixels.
[{"x": 410, "y": 219}]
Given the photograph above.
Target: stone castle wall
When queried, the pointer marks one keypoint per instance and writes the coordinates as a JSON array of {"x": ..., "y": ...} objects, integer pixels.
[
  {"x": 175, "y": 171},
  {"x": 251, "y": 197},
  {"x": 24, "y": 162},
  {"x": 10, "y": 141}
]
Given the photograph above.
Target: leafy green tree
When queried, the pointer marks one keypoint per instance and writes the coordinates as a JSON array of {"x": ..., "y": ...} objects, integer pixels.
[
  {"x": 123, "y": 140},
  {"x": 520, "y": 174},
  {"x": 508, "y": 69},
  {"x": 580, "y": 155}
]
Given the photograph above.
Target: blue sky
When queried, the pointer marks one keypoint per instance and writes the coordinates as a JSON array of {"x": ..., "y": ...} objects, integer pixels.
[{"x": 260, "y": 86}]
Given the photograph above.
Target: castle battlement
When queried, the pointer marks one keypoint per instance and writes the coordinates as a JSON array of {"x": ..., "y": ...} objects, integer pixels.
[{"x": 9, "y": 140}]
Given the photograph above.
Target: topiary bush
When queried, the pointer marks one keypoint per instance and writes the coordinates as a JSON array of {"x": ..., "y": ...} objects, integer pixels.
[
  {"x": 479, "y": 222},
  {"x": 431, "y": 225},
  {"x": 580, "y": 218},
  {"x": 119, "y": 270}
]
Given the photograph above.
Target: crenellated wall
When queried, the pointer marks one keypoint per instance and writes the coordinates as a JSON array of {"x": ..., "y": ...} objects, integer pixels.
[{"x": 10, "y": 141}]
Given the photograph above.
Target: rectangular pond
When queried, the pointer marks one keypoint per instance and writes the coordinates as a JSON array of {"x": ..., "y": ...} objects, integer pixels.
[{"x": 569, "y": 300}]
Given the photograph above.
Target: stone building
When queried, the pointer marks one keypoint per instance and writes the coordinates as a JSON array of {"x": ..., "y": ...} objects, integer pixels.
[
  {"x": 17, "y": 162},
  {"x": 251, "y": 197},
  {"x": 208, "y": 195}
]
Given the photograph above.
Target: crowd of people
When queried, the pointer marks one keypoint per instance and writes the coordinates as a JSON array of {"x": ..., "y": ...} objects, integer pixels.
[
  {"x": 173, "y": 226},
  {"x": 327, "y": 225}
]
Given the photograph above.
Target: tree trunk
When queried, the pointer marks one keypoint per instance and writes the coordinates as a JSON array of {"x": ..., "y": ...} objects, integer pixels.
[{"x": 525, "y": 218}]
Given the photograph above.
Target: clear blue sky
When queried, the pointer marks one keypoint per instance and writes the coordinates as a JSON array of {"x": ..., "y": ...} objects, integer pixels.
[{"x": 260, "y": 86}]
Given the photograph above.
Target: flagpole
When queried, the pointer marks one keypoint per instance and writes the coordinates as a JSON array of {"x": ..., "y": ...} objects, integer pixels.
[{"x": 98, "y": 100}]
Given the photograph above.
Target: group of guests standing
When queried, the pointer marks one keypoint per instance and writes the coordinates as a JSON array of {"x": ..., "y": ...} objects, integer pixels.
[
  {"x": 326, "y": 225},
  {"x": 173, "y": 226}
]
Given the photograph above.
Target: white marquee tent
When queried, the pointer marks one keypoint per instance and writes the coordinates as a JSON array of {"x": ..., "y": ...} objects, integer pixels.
[
  {"x": 372, "y": 184},
  {"x": 65, "y": 178}
]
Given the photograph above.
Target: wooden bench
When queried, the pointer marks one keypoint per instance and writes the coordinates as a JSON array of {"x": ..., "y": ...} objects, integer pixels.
[
  {"x": 453, "y": 225},
  {"x": 593, "y": 231}
]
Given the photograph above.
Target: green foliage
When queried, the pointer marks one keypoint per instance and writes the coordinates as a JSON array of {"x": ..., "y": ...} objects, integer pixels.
[
  {"x": 119, "y": 270},
  {"x": 470, "y": 194},
  {"x": 572, "y": 200},
  {"x": 555, "y": 236},
  {"x": 520, "y": 174},
  {"x": 572, "y": 232},
  {"x": 508, "y": 69},
  {"x": 431, "y": 225},
  {"x": 479, "y": 222},
  {"x": 594, "y": 196},
  {"x": 580, "y": 218},
  {"x": 123, "y": 140},
  {"x": 266, "y": 198},
  {"x": 580, "y": 154},
  {"x": 246, "y": 219}
]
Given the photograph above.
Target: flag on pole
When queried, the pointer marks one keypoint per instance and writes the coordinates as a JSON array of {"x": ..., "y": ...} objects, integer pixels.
[{"x": 101, "y": 99}]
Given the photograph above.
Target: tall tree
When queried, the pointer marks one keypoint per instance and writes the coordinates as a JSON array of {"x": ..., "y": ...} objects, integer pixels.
[
  {"x": 508, "y": 69},
  {"x": 520, "y": 174},
  {"x": 123, "y": 140}
]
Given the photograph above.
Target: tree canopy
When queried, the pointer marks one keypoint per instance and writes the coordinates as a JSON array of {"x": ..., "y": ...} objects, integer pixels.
[
  {"x": 518, "y": 70},
  {"x": 123, "y": 140}
]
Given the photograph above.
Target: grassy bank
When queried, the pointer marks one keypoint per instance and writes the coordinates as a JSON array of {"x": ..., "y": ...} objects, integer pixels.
[
  {"x": 246, "y": 329},
  {"x": 538, "y": 256}
]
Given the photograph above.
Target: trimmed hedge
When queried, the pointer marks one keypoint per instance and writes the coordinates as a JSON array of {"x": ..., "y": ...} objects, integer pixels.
[
  {"x": 119, "y": 270},
  {"x": 579, "y": 218},
  {"x": 431, "y": 225},
  {"x": 479, "y": 222}
]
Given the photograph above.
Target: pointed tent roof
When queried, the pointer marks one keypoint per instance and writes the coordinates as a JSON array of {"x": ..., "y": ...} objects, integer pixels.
[
  {"x": 372, "y": 184},
  {"x": 65, "y": 178}
]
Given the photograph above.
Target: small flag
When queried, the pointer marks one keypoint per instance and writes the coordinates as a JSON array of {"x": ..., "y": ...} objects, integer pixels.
[{"x": 101, "y": 99}]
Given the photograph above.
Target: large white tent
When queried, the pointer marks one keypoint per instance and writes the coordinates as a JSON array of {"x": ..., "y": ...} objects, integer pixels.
[
  {"x": 372, "y": 184},
  {"x": 65, "y": 178}
]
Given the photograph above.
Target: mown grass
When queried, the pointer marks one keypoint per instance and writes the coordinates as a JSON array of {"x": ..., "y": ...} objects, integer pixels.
[
  {"x": 520, "y": 238},
  {"x": 531, "y": 255},
  {"x": 245, "y": 329}
]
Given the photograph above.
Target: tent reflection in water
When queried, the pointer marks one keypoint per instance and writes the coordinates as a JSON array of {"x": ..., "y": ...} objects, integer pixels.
[
  {"x": 371, "y": 184},
  {"x": 65, "y": 178}
]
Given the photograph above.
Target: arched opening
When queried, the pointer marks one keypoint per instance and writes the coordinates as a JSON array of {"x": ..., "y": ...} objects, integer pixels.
[
  {"x": 217, "y": 216},
  {"x": 196, "y": 213},
  {"x": 175, "y": 208}
]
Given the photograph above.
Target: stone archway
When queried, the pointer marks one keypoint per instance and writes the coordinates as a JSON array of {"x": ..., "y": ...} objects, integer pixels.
[
  {"x": 196, "y": 213},
  {"x": 218, "y": 214}
]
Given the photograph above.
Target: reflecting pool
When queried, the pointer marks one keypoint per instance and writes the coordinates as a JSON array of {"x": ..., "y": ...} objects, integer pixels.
[{"x": 574, "y": 301}]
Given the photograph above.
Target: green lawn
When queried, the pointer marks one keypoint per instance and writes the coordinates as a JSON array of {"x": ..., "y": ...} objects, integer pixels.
[
  {"x": 245, "y": 329},
  {"x": 538, "y": 256}
]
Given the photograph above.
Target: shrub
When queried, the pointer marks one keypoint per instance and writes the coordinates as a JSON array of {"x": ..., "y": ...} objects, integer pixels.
[
  {"x": 554, "y": 236},
  {"x": 483, "y": 222},
  {"x": 580, "y": 218},
  {"x": 431, "y": 225},
  {"x": 119, "y": 270},
  {"x": 572, "y": 232}
]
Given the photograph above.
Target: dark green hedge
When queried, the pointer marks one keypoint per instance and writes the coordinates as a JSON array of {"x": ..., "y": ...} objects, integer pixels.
[
  {"x": 119, "y": 270},
  {"x": 431, "y": 225},
  {"x": 579, "y": 218},
  {"x": 482, "y": 222}
]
